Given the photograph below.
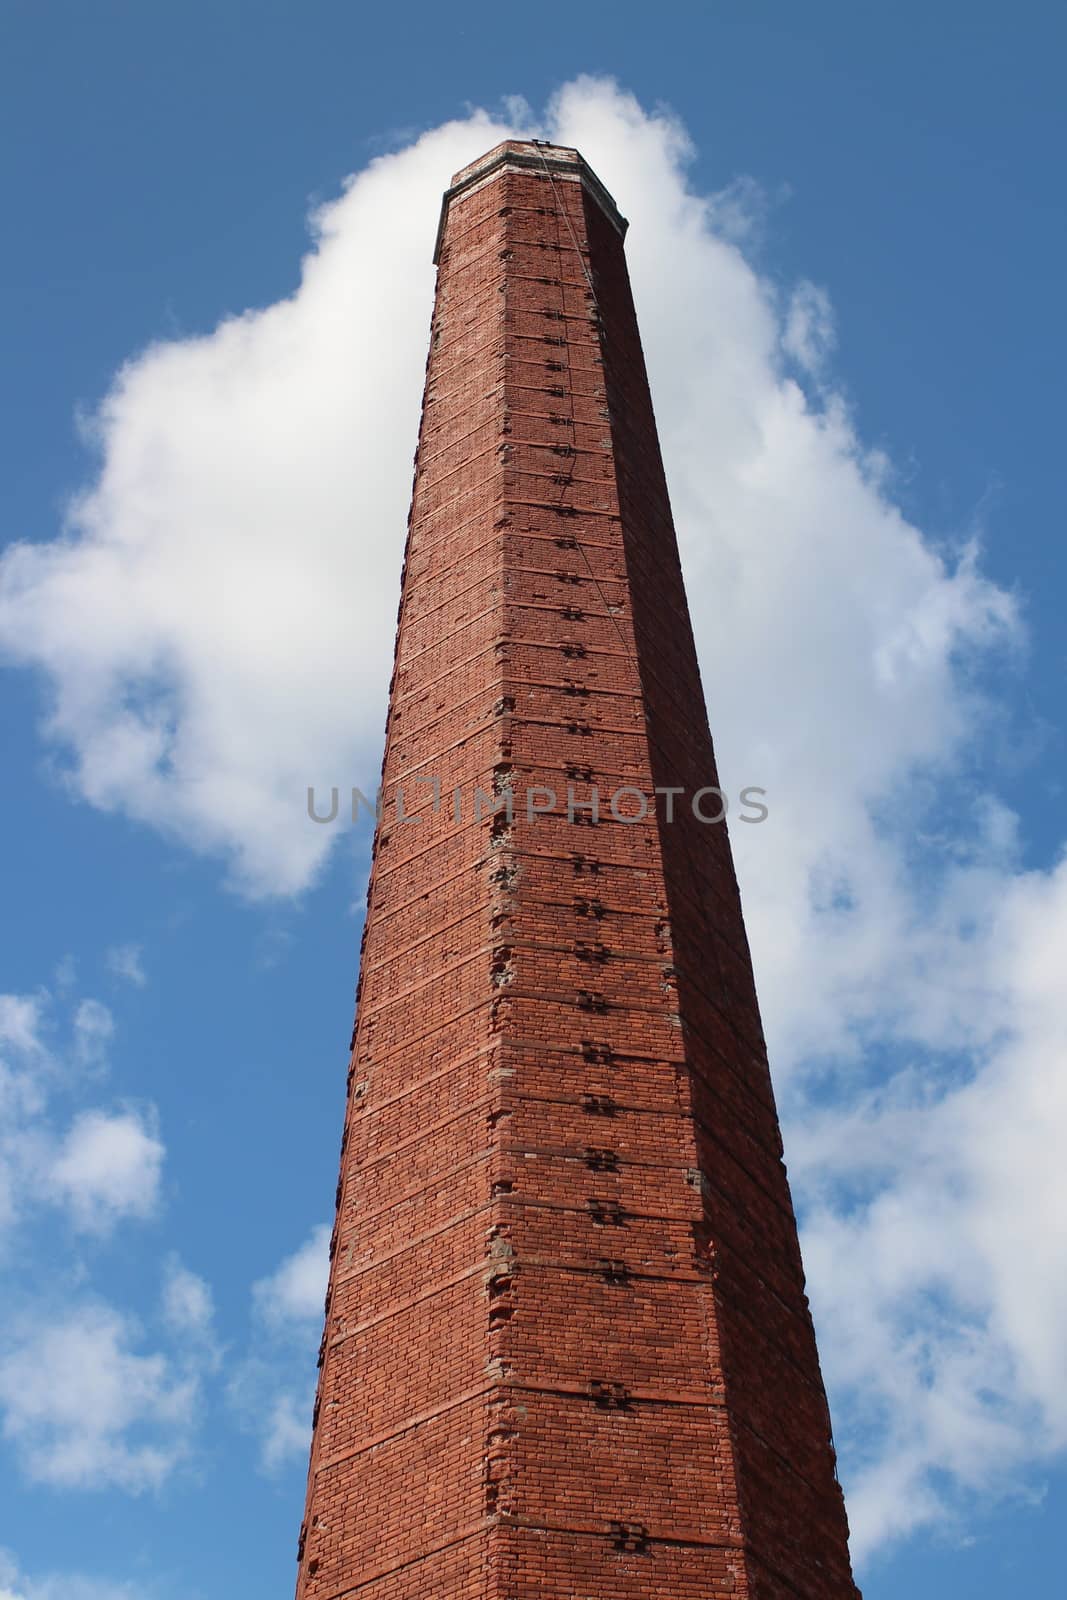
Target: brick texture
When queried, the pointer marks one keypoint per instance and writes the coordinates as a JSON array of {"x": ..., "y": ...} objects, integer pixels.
[{"x": 567, "y": 1349}]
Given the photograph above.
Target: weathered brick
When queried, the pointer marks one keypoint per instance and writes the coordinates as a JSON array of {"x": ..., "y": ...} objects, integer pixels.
[{"x": 567, "y": 1351}]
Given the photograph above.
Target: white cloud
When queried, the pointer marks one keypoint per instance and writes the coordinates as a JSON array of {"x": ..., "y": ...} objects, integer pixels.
[
  {"x": 66, "y": 974},
  {"x": 293, "y": 1294},
  {"x": 82, "y": 1405},
  {"x": 94, "y": 1028},
  {"x": 16, "y": 1585},
  {"x": 26, "y": 1068},
  {"x": 286, "y": 1431},
  {"x": 271, "y": 1391},
  {"x": 251, "y": 478},
  {"x": 253, "y": 488},
  {"x": 124, "y": 960},
  {"x": 188, "y": 1312},
  {"x": 85, "y": 1410},
  {"x": 808, "y": 335},
  {"x": 936, "y": 1243},
  {"x": 188, "y": 1304},
  {"x": 271, "y": 1394},
  {"x": 107, "y": 1168},
  {"x": 21, "y": 1023},
  {"x": 24, "y": 1056}
]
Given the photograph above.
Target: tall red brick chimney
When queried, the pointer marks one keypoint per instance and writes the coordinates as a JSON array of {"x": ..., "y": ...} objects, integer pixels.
[{"x": 567, "y": 1353}]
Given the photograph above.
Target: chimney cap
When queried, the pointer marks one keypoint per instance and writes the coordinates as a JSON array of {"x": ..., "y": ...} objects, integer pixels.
[{"x": 530, "y": 155}]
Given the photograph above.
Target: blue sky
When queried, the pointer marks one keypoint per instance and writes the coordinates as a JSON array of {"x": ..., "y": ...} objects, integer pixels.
[{"x": 856, "y": 369}]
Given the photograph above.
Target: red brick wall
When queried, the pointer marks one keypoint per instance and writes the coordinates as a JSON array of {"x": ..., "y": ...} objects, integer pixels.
[{"x": 567, "y": 1350}]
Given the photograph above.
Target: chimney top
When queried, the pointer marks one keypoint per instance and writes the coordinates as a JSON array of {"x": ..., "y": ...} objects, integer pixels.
[{"x": 558, "y": 160}]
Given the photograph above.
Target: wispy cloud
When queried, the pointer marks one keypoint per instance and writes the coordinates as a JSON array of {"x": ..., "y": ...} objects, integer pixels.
[
  {"x": 272, "y": 1389},
  {"x": 105, "y": 1165},
  {"x": 124, "y": 961},
  {"x": 188, "y": 1304},
  {"x": 293, "y": 1294},
  {"x": 85, "y": 1408},
  {"x": 93, "y": 1030},
  {"x": 17, "y": 1585}
]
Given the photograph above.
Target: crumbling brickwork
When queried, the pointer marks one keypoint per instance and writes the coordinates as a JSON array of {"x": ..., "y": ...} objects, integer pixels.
[{"x": 567, "y": 1349}]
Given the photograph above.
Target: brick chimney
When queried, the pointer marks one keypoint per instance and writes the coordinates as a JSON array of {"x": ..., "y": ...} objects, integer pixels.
[{"x": 567, "y": 1350}]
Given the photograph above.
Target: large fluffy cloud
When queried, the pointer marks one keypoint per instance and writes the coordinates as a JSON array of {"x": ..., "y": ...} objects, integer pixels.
[
  {"x": 214, "y": 628},
  {"x": 216, "y": 623}
]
